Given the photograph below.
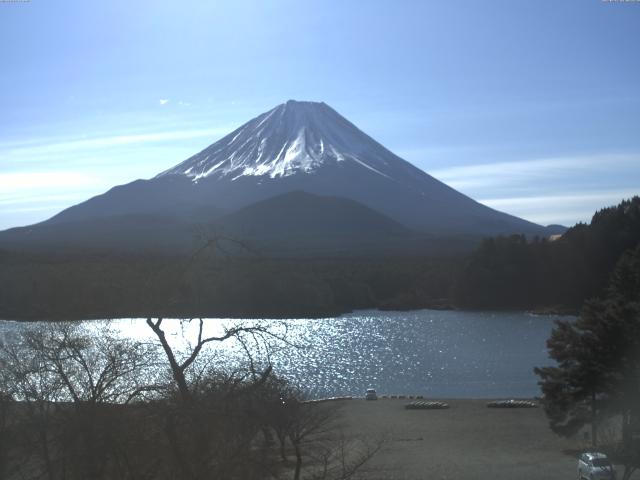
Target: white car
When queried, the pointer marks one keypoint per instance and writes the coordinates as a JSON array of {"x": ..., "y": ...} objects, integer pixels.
[
  {"x": 370, "y": 394},
  {"x": 595, "y": 466}
]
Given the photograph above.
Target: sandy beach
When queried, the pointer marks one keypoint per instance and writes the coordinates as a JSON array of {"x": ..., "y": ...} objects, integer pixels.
[{"x": 466, "y": 441}]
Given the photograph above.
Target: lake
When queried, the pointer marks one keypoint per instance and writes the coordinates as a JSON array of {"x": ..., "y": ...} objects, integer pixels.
[{"x": 446, "y": 354}]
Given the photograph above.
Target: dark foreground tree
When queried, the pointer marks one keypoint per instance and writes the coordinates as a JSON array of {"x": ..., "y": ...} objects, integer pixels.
[
  {"x": 598, "y": 363},
  {"x": 70, "y": 385}
]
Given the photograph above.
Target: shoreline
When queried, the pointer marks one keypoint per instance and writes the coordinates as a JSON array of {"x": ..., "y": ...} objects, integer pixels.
[{"x": 543, "y": 312}]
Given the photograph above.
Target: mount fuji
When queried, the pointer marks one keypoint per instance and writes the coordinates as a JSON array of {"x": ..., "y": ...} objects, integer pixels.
[{"x": 270, "y": 175}]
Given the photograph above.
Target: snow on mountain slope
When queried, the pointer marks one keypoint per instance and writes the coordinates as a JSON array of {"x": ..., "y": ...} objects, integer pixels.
[{"x": 294, "y": 137}]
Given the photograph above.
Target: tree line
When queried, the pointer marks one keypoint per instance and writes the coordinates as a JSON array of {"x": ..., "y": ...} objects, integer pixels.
[
  {"x": 519, "y": 273},
  {"x": 81, "y": 286}
]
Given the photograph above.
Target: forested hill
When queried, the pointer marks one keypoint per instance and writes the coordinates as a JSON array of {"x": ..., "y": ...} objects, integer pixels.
[
  {"x": 511, "y": 272},
  {"x": 503, "y": 273}
]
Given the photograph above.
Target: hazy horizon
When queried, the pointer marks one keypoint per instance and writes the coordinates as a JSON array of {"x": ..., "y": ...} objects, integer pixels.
[{"x": 543, "y": 126}]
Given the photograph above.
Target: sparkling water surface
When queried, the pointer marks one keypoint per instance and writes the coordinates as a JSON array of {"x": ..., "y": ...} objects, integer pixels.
[{"x": 445, "y": 354}]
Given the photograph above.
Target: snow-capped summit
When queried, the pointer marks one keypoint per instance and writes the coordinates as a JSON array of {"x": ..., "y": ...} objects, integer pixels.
[{"x": 294, "y": 137}]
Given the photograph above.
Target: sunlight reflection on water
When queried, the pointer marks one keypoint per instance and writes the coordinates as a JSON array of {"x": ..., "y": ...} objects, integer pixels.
[{"x": 433, "y": 353}]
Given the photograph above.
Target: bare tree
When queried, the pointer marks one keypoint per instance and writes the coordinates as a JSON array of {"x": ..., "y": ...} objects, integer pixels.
[
  {"x": 214, "y": 412},
  {"x": 311, "y": 431},
  {"x": 95, "y": 365},
  {"x": 71, "y": 383},
  {"x": 26, "y": 378},
  {"x": 180, "y": 366}
]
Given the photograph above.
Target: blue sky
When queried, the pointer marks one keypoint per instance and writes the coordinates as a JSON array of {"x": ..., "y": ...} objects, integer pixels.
[{"x": 532, "y": 107}]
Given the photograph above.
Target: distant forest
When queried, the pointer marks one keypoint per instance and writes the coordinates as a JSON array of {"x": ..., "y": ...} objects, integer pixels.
[
  {"x": 516, "y": 273},
  {"x": 502, "y": 273},
  {"x": 40, "y": 286}
]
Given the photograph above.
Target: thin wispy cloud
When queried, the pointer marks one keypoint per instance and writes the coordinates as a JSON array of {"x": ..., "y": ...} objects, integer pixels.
[
  {"x": 26, "y": 197},
  {"x": 22, "y": 199},
  {"x": 42, "y": 177},
  {"x": 164, "y": 101},
  {"x": 29, "y": 181},
  {"x": 45, "y": 190},
  {"x": 572, "y": 198},
  {"x": 549, "y": 190},
  {"x": 13, "y": 150},
  {"x": 511, "y": 173},
  {"x": 559, "y": 209}
]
